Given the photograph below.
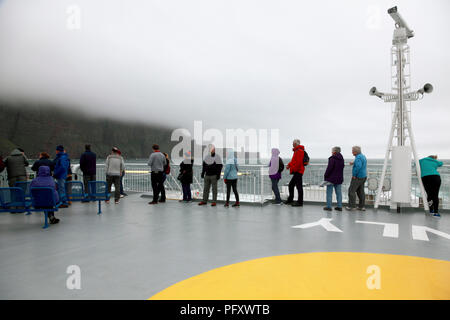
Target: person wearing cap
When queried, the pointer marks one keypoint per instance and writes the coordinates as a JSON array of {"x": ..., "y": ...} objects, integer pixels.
[
  {"x": 156, "y": 161},
  {"x": 114, "y": 166},
  {"x": 88, "y": 165},
  {"x": 186, "y": 176},
  {"x": 61, "y": 170},
  {"x": 16, "y": 164}
]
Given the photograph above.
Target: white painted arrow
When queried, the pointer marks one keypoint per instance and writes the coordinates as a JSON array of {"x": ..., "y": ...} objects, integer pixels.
[
  {"x": 390, "y": 229},
  {"x": 324, "y": 222},
  {"x": 420, "y": 233}
]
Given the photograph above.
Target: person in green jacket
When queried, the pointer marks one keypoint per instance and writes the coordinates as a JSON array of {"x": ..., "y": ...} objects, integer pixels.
[{"x": 431, "y": 181}]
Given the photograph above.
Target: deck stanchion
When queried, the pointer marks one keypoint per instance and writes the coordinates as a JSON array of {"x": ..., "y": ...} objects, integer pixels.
[{"x": 46, "y": 220}]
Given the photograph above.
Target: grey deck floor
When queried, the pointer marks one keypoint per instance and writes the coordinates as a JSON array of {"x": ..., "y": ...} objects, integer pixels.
[{"x": 134, "y": 250}]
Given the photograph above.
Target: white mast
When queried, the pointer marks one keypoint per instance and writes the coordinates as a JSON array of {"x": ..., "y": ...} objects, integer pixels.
[{"x": 401, "y": 122}]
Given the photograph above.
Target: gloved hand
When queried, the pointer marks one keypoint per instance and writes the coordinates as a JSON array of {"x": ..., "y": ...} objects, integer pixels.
[{"x": 225, "y": 180}]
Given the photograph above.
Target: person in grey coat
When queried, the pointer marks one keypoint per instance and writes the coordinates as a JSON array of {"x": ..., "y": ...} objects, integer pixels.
[
  {"x": 114, "y": 166},
  {"x": 16, "y": 164},
  {"x": 157, "y": 161}
]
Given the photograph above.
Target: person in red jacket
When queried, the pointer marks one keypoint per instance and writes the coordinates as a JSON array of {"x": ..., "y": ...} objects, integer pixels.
[{"x": 296, "y": 168}]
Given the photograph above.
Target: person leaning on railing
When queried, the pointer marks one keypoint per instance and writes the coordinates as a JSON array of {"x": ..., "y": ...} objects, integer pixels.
[
  {"x": 211, "y": 169},
  {"x": 16, "y": 164},
  {"x": 88, "y": 165},
  {"x": 156, "y": 161},
  {"x": 230, "y": 177},
  {"x": 431, "y": 181},
  {"x": 44, "y": 160}
]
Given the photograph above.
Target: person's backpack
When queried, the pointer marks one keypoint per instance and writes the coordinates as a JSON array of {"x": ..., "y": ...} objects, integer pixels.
[
  {"x": 167, "y": 168},
  {"x": 280, "y": 165},
  {"x": 305, "y": 159}
]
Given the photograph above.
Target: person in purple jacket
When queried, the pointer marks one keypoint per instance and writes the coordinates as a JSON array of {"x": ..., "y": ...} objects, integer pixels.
[
  {"x": 44, "y": 179},
  {"x": 276, "y": 166},
  {"x": 334, "y": 175}
]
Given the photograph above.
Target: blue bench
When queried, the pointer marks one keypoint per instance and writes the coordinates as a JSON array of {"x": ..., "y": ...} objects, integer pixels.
[
  {"x": 75, "y": 191},
  {"x": 13, "y": 200},
  {"x": 43, "y": 200},
  {"x": 98, "y": 191}
]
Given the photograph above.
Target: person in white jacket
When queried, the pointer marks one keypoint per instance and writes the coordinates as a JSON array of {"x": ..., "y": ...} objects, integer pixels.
[{"x": 114, "y": 168}]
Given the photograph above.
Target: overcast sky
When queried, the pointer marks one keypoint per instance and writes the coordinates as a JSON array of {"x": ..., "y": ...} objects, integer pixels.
[{"x": 303, "y": 67}]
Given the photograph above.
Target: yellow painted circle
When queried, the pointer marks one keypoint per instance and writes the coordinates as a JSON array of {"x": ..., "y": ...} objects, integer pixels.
[{"x": 323, "y": 275}]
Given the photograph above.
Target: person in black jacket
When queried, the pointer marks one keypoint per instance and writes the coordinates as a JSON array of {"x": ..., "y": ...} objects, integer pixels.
[
  {"x": 164, "y": 177},
  {"x": 212, "y": 167},
  {"x": 88, "y": 165},
  {"x": 186, "y": 175},
  {"x": 44, "y": 160}
]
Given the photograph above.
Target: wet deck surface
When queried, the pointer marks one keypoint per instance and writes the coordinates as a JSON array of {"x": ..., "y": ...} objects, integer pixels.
[{"x": 133, "y": 250}]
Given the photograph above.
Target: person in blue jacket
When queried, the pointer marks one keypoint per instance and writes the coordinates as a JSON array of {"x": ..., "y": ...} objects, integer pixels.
[
  {"x": 359, "y": 177},
  {"x": 62, "y": 163},
  {"x": 44, "y": 179},
  {"x": 431, "y": 181},
  {"x": 230, "y": 177}
]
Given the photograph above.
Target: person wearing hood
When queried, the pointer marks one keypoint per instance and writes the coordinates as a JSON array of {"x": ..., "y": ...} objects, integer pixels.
[
  {"x": 186, "y": 176},
  {"x": 431, "y": 180},
  {"x": 211, "y": 169},
  {"x": 334, "y": 175},
  {"x": 44, "y": 179},
  {"x": 296, "y": 168},
  {"x": 44, "y": 160},
  {"x": 230, "y": 177},
  {"x": 276, "y": 166},
  {"x": 16, "y": 164},
  {"x": 61, "y": 165}
]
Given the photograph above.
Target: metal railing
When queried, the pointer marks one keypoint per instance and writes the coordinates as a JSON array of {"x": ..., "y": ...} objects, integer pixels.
[{"x": 254, "y": 184}]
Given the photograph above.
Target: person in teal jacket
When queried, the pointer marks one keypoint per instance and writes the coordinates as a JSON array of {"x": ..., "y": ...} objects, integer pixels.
[
  {"x": 431, "y": 181},
  {"x": 230, "y": 177}
]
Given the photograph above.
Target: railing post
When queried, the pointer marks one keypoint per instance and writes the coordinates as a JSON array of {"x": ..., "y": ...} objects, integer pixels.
[{"x": 261, "y": 174}]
